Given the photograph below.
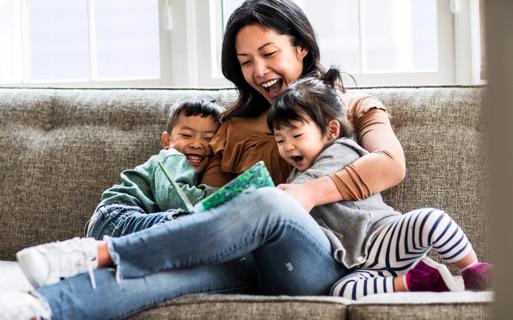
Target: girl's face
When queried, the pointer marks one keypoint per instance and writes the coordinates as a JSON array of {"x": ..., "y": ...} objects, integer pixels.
[
  {"x": 301, "y": 143},
  {"x": 268, "y": 60}
]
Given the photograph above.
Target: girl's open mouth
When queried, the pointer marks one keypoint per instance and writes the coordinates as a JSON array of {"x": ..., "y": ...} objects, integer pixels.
[{"x": 298, "y": 160}]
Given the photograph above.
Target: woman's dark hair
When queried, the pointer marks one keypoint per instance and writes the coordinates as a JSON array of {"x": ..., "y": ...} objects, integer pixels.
[
  {"x": 317, "y": 98},
  {"x": 193, "y": 107},
  {"x": 286, "y": 18}
]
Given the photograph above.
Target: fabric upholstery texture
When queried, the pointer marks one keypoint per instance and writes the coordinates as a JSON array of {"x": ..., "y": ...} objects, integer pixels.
[
  {"x": 62, "y": 147},
  {"x": 241, "y": 307}
]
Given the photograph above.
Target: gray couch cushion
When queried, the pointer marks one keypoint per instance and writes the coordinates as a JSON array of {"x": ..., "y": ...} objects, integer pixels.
[
  {"x": 63, "y": 147},
  {"x": 423, "y": 305},
  {"x": 241, "y": 307},
  {"x": 415, "y": 305},
  {"x": 442, "y": 131}
]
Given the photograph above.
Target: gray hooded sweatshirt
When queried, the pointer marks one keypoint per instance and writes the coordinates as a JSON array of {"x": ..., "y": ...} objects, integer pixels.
[{"x": 347, "y": 224}]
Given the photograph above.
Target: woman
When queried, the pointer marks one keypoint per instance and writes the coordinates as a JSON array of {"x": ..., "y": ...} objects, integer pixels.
[{"x": 267, "y": 45}]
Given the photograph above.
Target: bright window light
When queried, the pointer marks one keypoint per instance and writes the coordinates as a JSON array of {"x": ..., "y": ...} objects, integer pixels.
[
  {"x": 58, "y": 40},
  {"x": 126, "y": 34}
]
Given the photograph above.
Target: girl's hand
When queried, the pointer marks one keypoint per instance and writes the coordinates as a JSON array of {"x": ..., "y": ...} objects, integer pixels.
[{"x": 302, "y": 194}]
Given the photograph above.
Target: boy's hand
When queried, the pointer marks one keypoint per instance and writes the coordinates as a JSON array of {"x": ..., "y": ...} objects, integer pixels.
[{"x": 301, "y": 193}]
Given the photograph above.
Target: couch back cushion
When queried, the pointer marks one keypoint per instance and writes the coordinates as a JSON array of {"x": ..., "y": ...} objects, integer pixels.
[
  {"x": 63, "y": 147},
  {"x": 441, "y": 130}
]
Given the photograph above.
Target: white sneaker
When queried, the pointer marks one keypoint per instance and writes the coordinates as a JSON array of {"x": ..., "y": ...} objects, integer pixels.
[
  {"x": 17, "y": 305},
  {"x": 47, "y": 264}
]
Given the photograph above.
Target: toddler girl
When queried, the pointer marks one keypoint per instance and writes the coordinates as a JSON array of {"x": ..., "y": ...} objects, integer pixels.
[{"x": 388, "y": 249}]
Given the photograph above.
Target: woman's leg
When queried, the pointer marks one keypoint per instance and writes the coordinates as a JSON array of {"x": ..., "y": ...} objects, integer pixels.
[
  {"x": 298, "y": 265},
  {"x": 73, "y": 298},
  {"x": 294, "y": 256},
  {"x": 292, "y": 253}
]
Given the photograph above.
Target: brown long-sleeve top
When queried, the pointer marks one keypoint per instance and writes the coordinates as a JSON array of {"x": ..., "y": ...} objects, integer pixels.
[{"x": 241, "y": 142}]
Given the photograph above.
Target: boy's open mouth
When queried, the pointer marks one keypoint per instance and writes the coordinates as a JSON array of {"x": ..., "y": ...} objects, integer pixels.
[
  {"x": 273, "y": 87},
  {"x": 194, "y": 159}
]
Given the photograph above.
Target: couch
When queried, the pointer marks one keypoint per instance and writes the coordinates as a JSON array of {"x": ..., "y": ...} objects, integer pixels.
[{"x": 62, "y": 147}]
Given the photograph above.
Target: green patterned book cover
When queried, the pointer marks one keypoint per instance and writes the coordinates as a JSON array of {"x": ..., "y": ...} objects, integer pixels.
[{"x": 253, "y": 178}]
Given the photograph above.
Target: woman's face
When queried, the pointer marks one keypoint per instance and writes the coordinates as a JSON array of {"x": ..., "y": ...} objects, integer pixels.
[{"x": 268, "y": 60}]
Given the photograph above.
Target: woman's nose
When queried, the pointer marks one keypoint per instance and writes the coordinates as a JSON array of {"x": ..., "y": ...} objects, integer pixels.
[{"x": 260, "y": 68}]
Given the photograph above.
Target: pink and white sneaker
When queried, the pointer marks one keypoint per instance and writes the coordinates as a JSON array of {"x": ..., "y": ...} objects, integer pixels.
[
  {"x": 478, "y": 277},
  {"x": 429, "y": 275}
]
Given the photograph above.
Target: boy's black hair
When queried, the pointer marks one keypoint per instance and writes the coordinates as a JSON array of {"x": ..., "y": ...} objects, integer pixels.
[
  {"x": 193, "y": 107},
  {"x": 317, "y": 98}
]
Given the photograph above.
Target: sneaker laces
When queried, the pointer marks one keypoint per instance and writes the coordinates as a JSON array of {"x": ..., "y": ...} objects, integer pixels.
[{"x": 75, "y": 256}]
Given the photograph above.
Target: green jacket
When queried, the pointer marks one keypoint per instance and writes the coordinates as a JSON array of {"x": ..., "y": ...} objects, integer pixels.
[{"x": 146, "y": 186}]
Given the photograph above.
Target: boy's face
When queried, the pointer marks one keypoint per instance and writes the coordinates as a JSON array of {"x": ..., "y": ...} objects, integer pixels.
[
  {"x": 191, "y": 136},
  {"x": 301, "y": 144}
]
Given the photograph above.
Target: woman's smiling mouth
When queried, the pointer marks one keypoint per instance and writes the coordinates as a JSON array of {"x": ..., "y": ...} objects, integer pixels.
[{"x": 273, "y": 87}]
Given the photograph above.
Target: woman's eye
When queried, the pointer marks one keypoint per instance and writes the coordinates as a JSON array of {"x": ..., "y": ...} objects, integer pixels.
[
  {"x": 269, "y": 54},
  {"x": 245, "y": 63},
  {"x": 298, "y": 135}
]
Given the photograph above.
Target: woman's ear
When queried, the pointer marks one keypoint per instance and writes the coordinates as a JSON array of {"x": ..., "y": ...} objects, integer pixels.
[
  {"x": 333, "y": 130},
  {"x": 302, "y": 52},
  {"x": 164, "y": 138}
]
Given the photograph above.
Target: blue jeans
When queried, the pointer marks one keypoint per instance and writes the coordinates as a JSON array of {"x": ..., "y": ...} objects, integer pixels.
[
  {"x": 202, "y": 253},
  {"x": 118, "y": 220}
]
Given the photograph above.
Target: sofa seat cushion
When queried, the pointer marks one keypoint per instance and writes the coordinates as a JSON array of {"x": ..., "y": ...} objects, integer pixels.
[
  {"x": 423, "y": 305},
  {"x": 410, "y": 305},
  {"x": 246, "y": 307}
]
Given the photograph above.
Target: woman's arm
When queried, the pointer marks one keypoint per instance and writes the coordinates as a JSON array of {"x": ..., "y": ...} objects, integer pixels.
[{"x": 379, "y": 170}]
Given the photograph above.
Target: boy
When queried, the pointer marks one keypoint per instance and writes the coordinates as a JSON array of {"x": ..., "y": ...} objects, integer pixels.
[{"x": 146, "y": 196}]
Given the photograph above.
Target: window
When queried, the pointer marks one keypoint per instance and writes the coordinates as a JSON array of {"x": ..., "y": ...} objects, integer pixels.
[
  {"x": 79, "y": 41},
  {"x": 152, "y": 43},
  {"x": 396, "y": 42}
]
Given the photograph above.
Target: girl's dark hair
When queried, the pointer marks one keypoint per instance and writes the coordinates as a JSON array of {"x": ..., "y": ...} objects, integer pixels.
[
  {"x": 284, "y": 17},
  {"x": 193, "y": 107},
  {"x": 317, "y": 98}
]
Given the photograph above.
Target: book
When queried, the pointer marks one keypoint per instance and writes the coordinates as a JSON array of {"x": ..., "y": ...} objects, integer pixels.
[{"x": 253, "y": 178}]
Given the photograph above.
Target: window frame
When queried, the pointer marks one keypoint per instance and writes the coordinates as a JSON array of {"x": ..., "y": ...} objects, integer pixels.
[
  {"x": 459, "y": 52},
  {"x": 93, "y": 80},
  {"x": 190, "y": 38}
]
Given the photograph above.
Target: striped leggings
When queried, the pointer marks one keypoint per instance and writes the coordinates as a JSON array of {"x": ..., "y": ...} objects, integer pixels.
[{"x": 396, "y": 248}]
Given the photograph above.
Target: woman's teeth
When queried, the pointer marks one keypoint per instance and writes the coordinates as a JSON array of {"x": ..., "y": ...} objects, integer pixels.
[
  {"x": 272, "y": 86},
  {"x": 269, "y": 83}
]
